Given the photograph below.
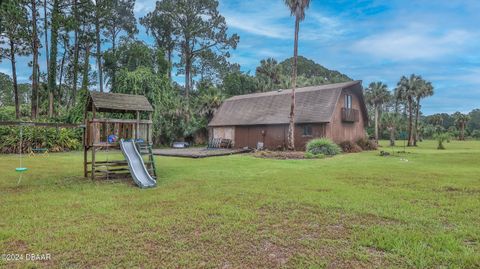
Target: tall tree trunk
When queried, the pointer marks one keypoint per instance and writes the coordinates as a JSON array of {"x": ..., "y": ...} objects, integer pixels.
[
  {"x": 75, "y": 56},
  {"x": 169, "y": 56},
  {"x": 99, "y": 51},
  {"x": 34, "y": 104},
  {"x": 114, "y": 73},
  {"x": 462, "y": 131},
  {"x": 392, "y": 136},
  {"x": 376, "y": 124},
  {"x": 52, "y": 73},
  {"x": 14, "y": 75},
  {"x": 86, "y": 66},
  {"x": 291, "y": 126},
  {"x": 417, "y": 112},
  {"x": 188, "y": 66},
  {"x": 45, "y": 26},
  {"x": 60, "y": 79},
  {"x": 410, "y": 122}
]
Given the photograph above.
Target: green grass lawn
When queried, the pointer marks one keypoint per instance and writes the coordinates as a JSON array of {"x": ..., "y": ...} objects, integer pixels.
[{"x": 417, "y": 210}]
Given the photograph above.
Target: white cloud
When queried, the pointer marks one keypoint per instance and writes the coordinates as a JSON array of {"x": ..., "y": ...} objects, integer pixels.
[
  {"x": 143, "y": 6},
  {"x": 415, "y": 42}
]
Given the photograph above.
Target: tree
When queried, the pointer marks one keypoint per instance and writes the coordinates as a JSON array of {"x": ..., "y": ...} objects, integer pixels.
[
  {"x": 461, "y": 121},
  {"x": 6, "y": 90},
  {"x": 406, "y": 91},
  {"x": 99, "y": 13},
  {"x": 52, "y": 67},
  {"x": 15, "y": 37},
  {"x": 197, "y": 26},
  {"x": 120, "y": 18},
  {"x": 237, "y": 83},
  {"x": 424, "y": 90},
  {"x": 297, "y": 9},
  {"x": 35, "y": 44},
  {"x": 376, "y": 95},
  {"x": 160, "y": 26},
  {"x": 391, "y": 120},
  {"x": 269, "y": 71}
]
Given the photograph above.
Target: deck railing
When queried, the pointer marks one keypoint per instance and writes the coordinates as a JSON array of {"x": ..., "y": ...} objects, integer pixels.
[{"x": 350, "y": 115}]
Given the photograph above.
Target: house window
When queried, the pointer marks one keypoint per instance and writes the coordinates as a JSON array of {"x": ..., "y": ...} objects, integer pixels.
[
  {"x": 307, "y": 130},
  {"x": 348, "y": 101}
]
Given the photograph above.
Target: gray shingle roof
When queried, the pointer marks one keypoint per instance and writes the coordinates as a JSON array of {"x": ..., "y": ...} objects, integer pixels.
[
  {"x": 313, "y": 104},
  {"x": 111, "y": 102}
]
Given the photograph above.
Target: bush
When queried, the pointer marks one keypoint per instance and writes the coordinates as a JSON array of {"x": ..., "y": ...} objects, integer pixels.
[
  {"x": 349, "y": 147},
  {"x": 309, "y": 155},
  {"x": 441, "y": 138},
  {"x": 366, "y": 144},
  {"x": 38, "y": 137},
  {"x": 322, "y": 146}
]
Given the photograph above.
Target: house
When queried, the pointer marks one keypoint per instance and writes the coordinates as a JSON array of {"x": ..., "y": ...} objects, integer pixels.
[{"x": 336, "y": 111}]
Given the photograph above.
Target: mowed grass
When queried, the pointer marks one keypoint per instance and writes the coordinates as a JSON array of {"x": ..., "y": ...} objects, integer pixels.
[{"x": 415, "y": 210}]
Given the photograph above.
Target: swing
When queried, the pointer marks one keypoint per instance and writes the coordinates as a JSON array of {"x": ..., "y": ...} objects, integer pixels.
[{"x": 21, "y": 169}]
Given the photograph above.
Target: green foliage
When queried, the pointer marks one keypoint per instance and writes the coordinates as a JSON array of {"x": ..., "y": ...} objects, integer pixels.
[
  {"x": 237, "y": 83},
  {"x": 309, "y": 69},
  {"x": 441, "y": 138},
  {"x": 366, "y": 144},
  {"x": 54, "y": 140},
  {"x": 475, "y": 134},
  {"x": 323, "y": 146},
  {"x": 309, "y": 155}
]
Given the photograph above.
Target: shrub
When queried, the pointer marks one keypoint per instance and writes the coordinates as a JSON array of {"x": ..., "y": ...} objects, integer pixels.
[
  {"x": 309, "y": 155},
  {"x": 366, "y": 144},
  {"x": 322, "y": 146},
  {"x": 349, "y": 147},
  {"x": 442, "y": 137}
]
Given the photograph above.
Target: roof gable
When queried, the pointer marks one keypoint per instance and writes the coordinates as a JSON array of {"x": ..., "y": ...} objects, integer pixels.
[
  {"x": 117, "y": 102},
  {"x": 313, "y": 104}
]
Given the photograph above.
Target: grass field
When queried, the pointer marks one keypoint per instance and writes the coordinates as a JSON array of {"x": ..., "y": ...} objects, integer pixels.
[{"x": 417, "y": 210}]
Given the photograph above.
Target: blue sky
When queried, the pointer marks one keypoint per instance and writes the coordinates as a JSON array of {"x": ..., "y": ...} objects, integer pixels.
[{"x": 367, "y": 40}]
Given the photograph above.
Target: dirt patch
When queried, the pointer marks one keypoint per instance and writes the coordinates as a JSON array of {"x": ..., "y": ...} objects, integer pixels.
[{"x": 280, "y": 155}]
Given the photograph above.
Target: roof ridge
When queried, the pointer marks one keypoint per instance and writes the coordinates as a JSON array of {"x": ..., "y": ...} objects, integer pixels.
[{"x": 320, "y": 87}]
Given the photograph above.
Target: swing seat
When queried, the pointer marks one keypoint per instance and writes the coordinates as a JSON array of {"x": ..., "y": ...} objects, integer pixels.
[{"x": 21, "y": 169}]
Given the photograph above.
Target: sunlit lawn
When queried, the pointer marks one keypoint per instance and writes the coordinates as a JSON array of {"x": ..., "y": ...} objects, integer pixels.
[{"x": 419, "y": 209}]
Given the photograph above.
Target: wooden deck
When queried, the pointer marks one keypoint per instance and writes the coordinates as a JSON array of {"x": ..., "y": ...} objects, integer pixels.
[{"x": 197, "y": 152}]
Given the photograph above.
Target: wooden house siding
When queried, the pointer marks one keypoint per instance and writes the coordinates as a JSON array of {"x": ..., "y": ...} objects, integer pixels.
[
  {"x": 337, "y": 129},
  {"x": 272, "y": 136}
]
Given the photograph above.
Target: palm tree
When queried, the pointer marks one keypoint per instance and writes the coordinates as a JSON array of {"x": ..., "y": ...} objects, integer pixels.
[
  {"x": 407, "y": 91},
  {"x": 391, "y": 120},
  {"x": 376, "y": 95},
  {"x": 297, "y": 9},
  {"x": 424, "y": 90},
  {"x": 270, "y": 69},
  {"x": 461, "y": 121}
]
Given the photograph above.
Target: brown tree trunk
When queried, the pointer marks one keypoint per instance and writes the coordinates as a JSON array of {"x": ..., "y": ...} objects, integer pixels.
[
  {"x": 417, "y": 112},
  {"x": 86, "y": 66},
  {"x": 34, "y": 105},
  {"x": 14, "y": 76},
  {"x": 114, "y": 73},
  {"x": 392, "y": 136},
  {"x": 60, "y": 79},
  {"x": 75, "y": 57},
  {"x": 462, "y": 131},
  {"x": 45, "y": 25},
  {"x": 99, "y": 52},
  {"x": 169, "y": 55},
  {"x": 188, "y": 66},
  {"x": 410, "y": 122},
  {"x": 376, "y": 124},
  {"x": 291, "y": 126}
]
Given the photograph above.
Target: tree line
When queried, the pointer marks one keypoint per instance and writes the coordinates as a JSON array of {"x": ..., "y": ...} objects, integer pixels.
[{"x": 396, "y": 114}]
